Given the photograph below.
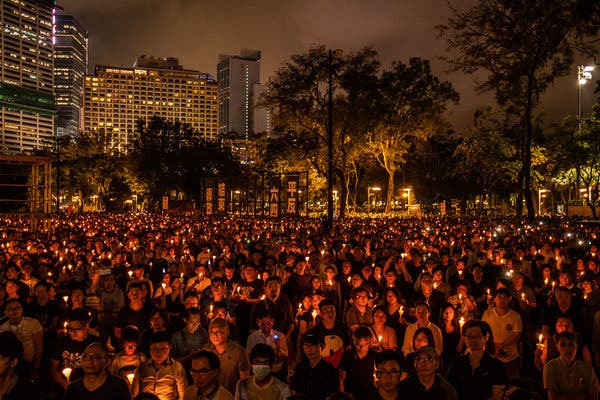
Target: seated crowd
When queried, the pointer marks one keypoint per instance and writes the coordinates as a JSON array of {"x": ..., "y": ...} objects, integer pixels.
[{"x": 179, "y": 307}]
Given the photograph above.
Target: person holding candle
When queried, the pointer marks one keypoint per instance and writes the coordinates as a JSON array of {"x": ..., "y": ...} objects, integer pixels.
[
  {"x": 136, "y": 313},
  {"x": 360, "y": 314},
  {"x": 334, "y": 332},
  {"x": 276, "y": 339},
  {"x": 426, "y": 383},
  {"x": 476, "y": 375},
  {"x": 186, "y": 343},
  {"x": 386, "y": 336},
  {"x": 358, "y": 366},
  {"x": 127, "y": 360},
  {"x": 96, "y": 383},
  {"x": 277, "y": 305}
]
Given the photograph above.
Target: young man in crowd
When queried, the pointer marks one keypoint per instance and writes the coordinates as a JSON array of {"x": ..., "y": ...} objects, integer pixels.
[
  {"x": 262, "y": 385},
  {"x": 205, "y": 371},
  {"x": 314, "y": 377},
  {"x": 388, "y": 372},
  {"x": 427, "y": 383}
]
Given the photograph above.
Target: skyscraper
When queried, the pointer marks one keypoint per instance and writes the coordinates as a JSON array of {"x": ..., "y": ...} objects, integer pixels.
[
  {"x": 237, "y": 76},
  {"x": 26, "y": 76},
  {"x": 70, "y": 67},
  {"x": 116, "y": 97}
]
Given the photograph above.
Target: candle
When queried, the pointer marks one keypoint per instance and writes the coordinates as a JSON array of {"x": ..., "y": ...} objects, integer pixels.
[
  {"x": 65, "y": 298},
  {"x": 164, "y": 285},
  {"x": 130, "y": 377},
  {"x": 546, "y": 281},
  {"x": 540, "y": 345},
  {"x": 210, "y": 308},
  {"x": 263, "y": 297},
  {"x": 314, "y": 315},
  {"x": 380, "y": 338},
  {"x": 489, "y": 293},
  {"x": 67, "y": 372},
  {"x": 460, "y": 272},
  {"x": 461, "y": 322},
  {"x": 330, "y": 283},
  {"x": 349, "y": 279},
  {"x": 401, "y": 311},
  {"x": 460, "y": 296},
  {"x": 130, "y": 273},
  {"x": 540, "y": 338},
  {"x": 306, "y": 258},
  {"x": 299, "y": 308}
]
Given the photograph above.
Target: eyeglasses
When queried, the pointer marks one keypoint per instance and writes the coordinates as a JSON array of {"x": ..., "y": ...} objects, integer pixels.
[
  {"x": 92, "y": 358},
  {"x": 382, "y": 372},
  {"x": 200, "y": 371},
  {"x": 422, "y": 359}
]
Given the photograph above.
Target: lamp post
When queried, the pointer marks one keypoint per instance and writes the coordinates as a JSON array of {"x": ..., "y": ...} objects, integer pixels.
[
  {"x": 369, "y": 190},
  {"x": 540, "y": 195},
  {"x": 584, "y": 74},
  {"x": 330, "y": 67},
  {"x": 407, "y": 190}
]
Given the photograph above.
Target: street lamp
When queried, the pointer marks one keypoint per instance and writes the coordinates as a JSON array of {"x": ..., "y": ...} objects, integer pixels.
[
  {"x": 331, "y": 54},
  {"x": 584, "y": 74},
  {"x": 369, "y": 190},
  {"x": 407, "y": 195},
  {"x": 540, "y": 195}
]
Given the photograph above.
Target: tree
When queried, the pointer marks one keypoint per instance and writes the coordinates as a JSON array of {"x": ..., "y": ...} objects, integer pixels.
[
  {"x": 298, "y": 92},
  {"x": 412, "y": 102},
  {"x": 524, "y": 45},
  {"x": 170, "y": 155}
]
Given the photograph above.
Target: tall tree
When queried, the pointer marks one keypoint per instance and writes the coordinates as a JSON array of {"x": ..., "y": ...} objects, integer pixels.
[
  {"x": 412, "y": 102},
  {"x": 524, "y": 46},
  {"x": 298, "y": 94}
]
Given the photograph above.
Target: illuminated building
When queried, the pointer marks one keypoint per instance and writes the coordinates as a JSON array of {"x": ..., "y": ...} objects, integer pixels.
[
  {"x": 237, "y": 76},
  {"x": 115, "y": 98},
  {"x": 26, "y": 76},
  {"x": 70, "y": 67}
]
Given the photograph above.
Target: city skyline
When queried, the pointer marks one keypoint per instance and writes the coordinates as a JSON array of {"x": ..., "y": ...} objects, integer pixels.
[{"x": 198, "y": 33}]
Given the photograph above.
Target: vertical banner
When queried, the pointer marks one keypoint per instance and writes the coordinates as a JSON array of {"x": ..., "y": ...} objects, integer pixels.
[
  {"x": 292, "y": 190},
  {"x": 165, "y": 202},
  {"x": 221, "y": 197},
  {"x": 274, "y": 202},
  {"x": 209, "y": 201}
]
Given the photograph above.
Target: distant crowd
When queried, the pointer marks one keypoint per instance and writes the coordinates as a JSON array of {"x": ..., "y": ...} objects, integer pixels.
[{"x": 153, "y": 306}]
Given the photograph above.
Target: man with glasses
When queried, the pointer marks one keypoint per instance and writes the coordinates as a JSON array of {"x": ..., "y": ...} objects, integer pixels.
[
  {"x": 233, "y": 357},
  {"x": 161, "y": 374},
  {"x": 388, "y": 374},
  {"x": 314, "y": 377},
  {"x": 67, "y": 351},
  {"x": 476, "y": 375},
  {"x": 427, "y": 383},
  {"x": 205, "y": 370},
  {"x": 96, "y": 384},
  {"x": 360, "y": 314}
]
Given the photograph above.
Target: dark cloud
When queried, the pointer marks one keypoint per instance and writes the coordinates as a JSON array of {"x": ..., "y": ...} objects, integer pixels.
[{"x": 197, "y": 31}]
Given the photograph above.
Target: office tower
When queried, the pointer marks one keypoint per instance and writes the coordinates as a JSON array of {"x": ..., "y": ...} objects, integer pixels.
[
  {"x": 237, "y": 76},
  {"x": 115, "y": 98},
  {"x": 70, "y": 68},
  {"x": 26, "y": 76}
]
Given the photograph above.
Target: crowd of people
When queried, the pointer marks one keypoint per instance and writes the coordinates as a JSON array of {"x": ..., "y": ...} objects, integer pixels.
[{"x": 158, "y": 306}]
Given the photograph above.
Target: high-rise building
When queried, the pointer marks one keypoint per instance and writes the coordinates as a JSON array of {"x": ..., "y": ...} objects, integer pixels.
[
  {"x": 70, "y": 68},
  {"x": 237, "y": 76},
  {"x": 26, "y": 76},
  {"x": 115, "y": 98}
]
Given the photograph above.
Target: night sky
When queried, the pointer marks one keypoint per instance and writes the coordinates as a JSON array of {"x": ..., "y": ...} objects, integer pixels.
[{"x": 197, "y": 31}]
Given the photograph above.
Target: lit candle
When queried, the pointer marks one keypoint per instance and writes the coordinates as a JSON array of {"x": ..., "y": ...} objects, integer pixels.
[
  {"x": 314, "y": 315},
  {"x": 546, "y": 281},
  {"x": 299, "y": 308},
  {"x": 263, "y": 297},
  {"x": 540, "y": 338},
  {"x": 540, "y": 344},
  {"x": 380, "y": 338},
  {"x": 461, "y": 322},
  {"x": 349, "y": 279},
  {"x": 210, "y": 308},
  {"x": 522, "y": 296},
  {"x": 401, "y": 311},
  {"x": 130, "y": 377},
  {"x": 67, "y": 372},
  {"x": 130, "y": 273}
]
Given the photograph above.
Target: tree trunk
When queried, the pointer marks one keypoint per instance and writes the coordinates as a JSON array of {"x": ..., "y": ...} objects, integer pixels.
[
  {"x": 519, "y": 205},
  {"x": 390, "y": 191},
  {"x": 343, "y": 192},
  {"x": 527, "y": 157}
]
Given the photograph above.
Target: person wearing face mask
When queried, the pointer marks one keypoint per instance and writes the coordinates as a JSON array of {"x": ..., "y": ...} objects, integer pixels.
[{"x": 262, "y": 385}]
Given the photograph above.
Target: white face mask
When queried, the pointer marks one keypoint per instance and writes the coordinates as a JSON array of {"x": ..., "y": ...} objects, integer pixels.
[{"x": 261, "y": 371}]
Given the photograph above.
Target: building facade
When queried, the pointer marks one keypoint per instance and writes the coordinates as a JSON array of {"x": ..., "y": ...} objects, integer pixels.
[
  {"x": 236, "y": 76},
  {"x": 70, "y": 68},
  {"x": 115, "y": 98},
  {"x": 26, "y": 76}
]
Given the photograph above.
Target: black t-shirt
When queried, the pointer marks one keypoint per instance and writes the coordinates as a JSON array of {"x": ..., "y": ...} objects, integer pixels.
[
  {"x": 45, "y": 314},
  {"x": 140, "y": 318},
  {"x": 336, "y": 339},
  {"x": 315, "y": 383},
  {"x": 281, "y": 311},
  {"x": 359, "y": 374},
  {"x": 114, "y": 388},
  {"x": 411, "y": 388},
  {"x": 68, "y": 353},
  {"x": 477, "y": 384}
]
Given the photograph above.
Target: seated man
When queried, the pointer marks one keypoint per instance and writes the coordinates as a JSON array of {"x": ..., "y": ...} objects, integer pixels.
[
  {"x": 388, "y": 373},
  {"x": 566, "y": 377},
  {"x": 314, "y": 377},
  {"x": 161, "y": 375},
  {"x": 426, "y": 383},
  {"x": 262, "y": 385},
  {"x": 205, "y": 370}
]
